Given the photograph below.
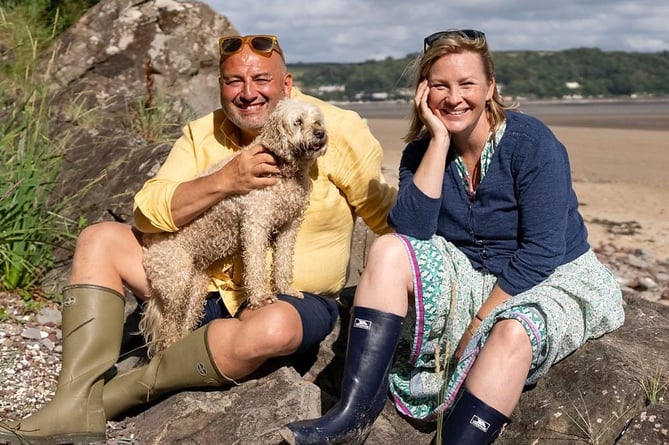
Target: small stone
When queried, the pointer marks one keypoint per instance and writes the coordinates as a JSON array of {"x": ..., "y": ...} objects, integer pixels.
[
  {"x": 637, "y": 262},
  {"x": 48, "y": 344},
  {"x": 629, "y": 282},
  {"x": 33, "y": 334},
  {"x": 49, "y": 315},
  {"x": 647, "y": 283}
]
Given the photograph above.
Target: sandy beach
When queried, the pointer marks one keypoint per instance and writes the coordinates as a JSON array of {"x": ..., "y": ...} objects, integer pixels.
[{"x": 620, "y": 174}]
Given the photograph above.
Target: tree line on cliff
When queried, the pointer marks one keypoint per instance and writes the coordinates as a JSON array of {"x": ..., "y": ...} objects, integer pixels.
[{"x": 580, "y": 72}]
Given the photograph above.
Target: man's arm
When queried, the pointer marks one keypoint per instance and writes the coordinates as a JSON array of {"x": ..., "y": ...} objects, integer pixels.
[
  {"x": 358, "y": 173},
  {"x": 249, "y": 170},
  {"x": 179, "y": 192}
]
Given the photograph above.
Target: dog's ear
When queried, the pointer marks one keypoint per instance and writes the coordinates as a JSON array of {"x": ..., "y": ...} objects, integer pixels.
[{"x": 293, "y": 115}]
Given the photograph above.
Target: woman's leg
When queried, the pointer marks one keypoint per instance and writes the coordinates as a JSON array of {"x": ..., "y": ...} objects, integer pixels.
[
  {"x": 379, "y": 307},
  {"x": 499, "y": 373},
  {"x": 493, "y": 387},
  {"x": 387, "y": 281}
]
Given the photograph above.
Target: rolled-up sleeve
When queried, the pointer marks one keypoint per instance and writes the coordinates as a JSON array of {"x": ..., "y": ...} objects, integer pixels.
[
  {"x": 357, "y": 170},
  {"x": 203, "y": 143}
]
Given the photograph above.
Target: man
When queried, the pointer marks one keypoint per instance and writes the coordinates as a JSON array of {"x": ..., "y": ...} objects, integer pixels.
[{"x": 234, "y": 341}]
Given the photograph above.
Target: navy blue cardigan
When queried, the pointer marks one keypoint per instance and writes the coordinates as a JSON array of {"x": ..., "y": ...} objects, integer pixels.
[{"x": 523, "y": 221}]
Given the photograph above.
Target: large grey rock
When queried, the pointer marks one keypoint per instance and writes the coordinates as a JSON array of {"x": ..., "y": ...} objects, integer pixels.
[
  {"x": 594, "y": 396},
  {"x": 116, "y": 39},
  {"x": 101, "y": 79}
]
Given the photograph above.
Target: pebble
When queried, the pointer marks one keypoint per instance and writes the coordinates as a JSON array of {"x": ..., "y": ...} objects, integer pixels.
[
  {"x": 49, "y": 315},
  {"x": 34, "y": 334},
  {"x": 647, "y": 283},
  {"x": 637, "y": 262}
]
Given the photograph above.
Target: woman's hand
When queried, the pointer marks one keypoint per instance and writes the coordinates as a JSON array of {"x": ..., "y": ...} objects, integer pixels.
[
  {"x": 429, "y": 175},
  {"x": 432, "y": 122},
  {"x": 466, "y": 337},
  {"x": 496, "y": 297}
]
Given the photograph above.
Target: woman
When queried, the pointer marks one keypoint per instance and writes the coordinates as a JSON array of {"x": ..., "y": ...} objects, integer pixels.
[{"x": 490, "y": 264}]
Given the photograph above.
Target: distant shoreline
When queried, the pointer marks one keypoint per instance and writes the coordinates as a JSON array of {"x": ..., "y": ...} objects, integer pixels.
[{"x": 642, "y": 114}]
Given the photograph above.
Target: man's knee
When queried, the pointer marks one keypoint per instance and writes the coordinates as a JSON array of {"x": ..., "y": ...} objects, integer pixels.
[
  {"x": 281, "y": 328},
  {"x": 106, "y": 232},
  {"x": 272, "y": 330}
]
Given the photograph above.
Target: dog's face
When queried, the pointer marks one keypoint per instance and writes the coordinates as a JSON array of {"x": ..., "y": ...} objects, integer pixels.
[{"x": 300, "y": 130}]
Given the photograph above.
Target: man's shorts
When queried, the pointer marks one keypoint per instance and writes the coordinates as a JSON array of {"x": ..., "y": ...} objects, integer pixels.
[{"x": 318, "y": 315}]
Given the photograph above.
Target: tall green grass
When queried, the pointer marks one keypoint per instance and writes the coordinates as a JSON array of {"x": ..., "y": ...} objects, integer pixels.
[{"x": 31, "y": 224}]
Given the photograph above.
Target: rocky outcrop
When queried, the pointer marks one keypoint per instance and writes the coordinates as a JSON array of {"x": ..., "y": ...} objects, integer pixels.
[
  {"x": 598, "y": 395},
  {"x": 124, "y": 64},
  {"x": 601, "y": 394},
  {"x": 111, "y": 46}
]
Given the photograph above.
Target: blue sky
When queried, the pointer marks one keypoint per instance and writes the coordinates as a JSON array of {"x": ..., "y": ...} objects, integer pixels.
[{"x": 355, "y": 31}]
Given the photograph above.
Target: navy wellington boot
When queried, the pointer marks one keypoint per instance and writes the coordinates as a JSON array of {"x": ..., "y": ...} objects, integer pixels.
[
  {"x": 372, "y": 339},
  {"x": 472, "y": 422}
]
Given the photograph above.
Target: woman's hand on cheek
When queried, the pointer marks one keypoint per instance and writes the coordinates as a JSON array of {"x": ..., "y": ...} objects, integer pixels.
[{"x": 432, "y": 122}]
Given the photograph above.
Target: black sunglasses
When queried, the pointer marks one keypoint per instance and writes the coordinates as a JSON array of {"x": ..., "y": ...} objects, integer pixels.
[
  {"x": 260, "y": 44},
  {"x": 468, "y": 33}
]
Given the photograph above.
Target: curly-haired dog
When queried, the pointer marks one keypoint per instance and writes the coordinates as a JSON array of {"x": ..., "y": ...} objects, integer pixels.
[{"x": 250, "y": 224}]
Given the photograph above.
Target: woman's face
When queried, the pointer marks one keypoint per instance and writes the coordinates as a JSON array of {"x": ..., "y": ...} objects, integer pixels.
[{"x": 459, "y": 90}]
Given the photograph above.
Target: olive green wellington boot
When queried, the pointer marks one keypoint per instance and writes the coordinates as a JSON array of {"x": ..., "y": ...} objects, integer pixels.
[
  {"x": 186, "y": 363},
  {"x": 92, "y": 329}
]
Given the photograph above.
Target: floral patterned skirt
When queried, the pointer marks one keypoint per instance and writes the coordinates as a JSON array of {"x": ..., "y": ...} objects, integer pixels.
[{"x": 580, "y": 300}]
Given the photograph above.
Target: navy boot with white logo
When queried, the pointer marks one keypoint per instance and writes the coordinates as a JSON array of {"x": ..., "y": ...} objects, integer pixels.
[
  {"x": 372, "y": 339},
  {"x": 472, "y": 422}
]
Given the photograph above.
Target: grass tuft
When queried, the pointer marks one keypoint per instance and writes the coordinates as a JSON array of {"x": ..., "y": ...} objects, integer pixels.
[{"x": 654, "y": 385}]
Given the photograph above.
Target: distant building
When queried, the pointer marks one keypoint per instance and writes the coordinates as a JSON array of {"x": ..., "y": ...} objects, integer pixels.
[
  {"x": 372, "y": 96},
  {"x": 331, "y": 88}
]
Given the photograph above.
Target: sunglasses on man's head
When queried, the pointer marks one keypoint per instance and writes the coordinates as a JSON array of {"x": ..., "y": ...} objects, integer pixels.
[
  {"x": 260, "y": 44},
  {"x": 468, "y": 33}
]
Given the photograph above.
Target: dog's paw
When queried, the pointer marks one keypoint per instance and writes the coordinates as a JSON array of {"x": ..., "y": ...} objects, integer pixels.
[
  {"x": 257, "y": 303},
  {"x": 291, "y": 292},
  {"x": 296, "y": 293}
]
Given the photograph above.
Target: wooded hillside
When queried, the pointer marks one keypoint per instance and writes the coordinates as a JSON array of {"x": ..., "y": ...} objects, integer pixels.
[{"x": 587, "y": 72}]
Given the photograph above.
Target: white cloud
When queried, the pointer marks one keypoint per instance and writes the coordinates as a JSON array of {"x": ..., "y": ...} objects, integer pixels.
[{"x": 355, "y": 31}]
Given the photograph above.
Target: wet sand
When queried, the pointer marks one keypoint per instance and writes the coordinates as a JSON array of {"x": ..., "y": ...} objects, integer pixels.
[{"x": 620, "y": 174}]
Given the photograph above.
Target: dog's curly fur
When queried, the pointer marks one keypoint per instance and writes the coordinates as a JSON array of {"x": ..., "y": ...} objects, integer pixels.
[{"x": 176, "y": 263}]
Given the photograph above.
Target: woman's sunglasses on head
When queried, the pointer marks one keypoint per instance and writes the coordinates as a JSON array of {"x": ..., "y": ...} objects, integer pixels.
[
  {"x": 260, "y": 44},
  {"x": 468, "y": 33}
]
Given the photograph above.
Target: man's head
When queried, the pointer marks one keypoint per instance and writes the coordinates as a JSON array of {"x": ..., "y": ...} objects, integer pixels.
[{"x": 253, "y": 79}]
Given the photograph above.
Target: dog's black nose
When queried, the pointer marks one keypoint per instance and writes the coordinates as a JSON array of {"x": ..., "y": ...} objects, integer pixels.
[{"x": 320, "y": 134}]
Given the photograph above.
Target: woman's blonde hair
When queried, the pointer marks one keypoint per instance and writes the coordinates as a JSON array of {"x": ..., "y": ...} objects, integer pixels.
[{"x": 455, "y": 42}]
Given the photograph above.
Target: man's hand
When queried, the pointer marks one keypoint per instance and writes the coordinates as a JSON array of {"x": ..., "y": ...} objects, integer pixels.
[{"x": 251, "y": 169}]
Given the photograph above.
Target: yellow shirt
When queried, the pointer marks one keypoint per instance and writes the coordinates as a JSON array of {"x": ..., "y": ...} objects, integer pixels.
[{"x": 349, "y": 184}]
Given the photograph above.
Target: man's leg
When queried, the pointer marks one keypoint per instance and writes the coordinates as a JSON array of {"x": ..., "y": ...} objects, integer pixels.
[
  {"x": 92, "y": 326},
  {"x": 241, "y": 345},
  {"x": 110, "y": 254},
  {"x": 216, "y": 358}
]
